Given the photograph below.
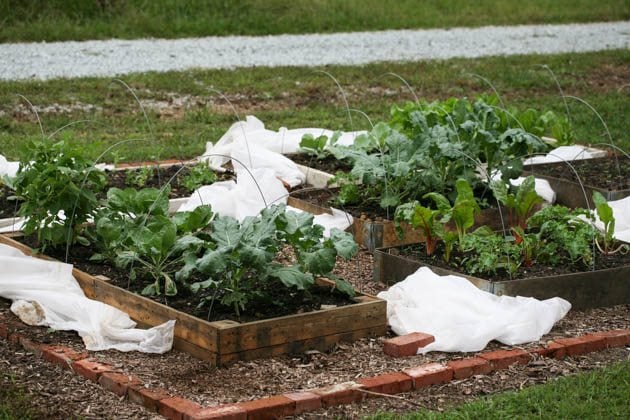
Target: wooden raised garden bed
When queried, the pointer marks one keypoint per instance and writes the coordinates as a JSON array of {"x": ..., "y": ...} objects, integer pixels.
[
  {"x": 223, "y": 342},
  {"x": 590, "y": 289},
  {"x": 569, "y": 191},
  {"x": 381, "y": 232}
]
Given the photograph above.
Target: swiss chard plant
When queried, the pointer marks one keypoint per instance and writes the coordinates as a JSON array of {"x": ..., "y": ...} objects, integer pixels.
[
  {"x": 520, "y": 204},
  {"x": 58, "y": 187},
  {"x": 606, "y": 216}
]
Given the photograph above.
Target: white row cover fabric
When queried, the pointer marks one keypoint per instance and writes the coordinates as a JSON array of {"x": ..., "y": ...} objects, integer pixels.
[
  {"x": 8, "y": 168},
  {"x": 542, "y": 187},
  {"x": 621, "y": 213},
  {"x": 252, "y": 156},
  {"x": 339, "y": 219},
  {"x": 241, "y": 198},
  {"x": 253, "y": 132},
  {"x": 567, "y": 153},
  {"x": 463, "y": 318},
  {"x": 45, "y": 293}
]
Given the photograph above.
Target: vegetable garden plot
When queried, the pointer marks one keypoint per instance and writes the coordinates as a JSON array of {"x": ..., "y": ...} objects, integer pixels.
[
  {"x": 610, "y": 176},
  {"x": 222, "y": 342},
  {"x": 587, "y": 289}
]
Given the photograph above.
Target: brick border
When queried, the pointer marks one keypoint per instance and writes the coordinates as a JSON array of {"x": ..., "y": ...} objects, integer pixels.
[{"x": 159, "y": 400}]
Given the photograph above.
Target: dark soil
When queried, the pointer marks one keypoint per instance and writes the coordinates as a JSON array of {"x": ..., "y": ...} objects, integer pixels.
[
  {"x": 276, "y": 300},
  {"x": 329, "y": 164},
  {"x": 418, "y": 253},
  {"x": 158, "y": 177},
  {"x": 612, "y": 174},
  {"x": 326, "y": 197}
]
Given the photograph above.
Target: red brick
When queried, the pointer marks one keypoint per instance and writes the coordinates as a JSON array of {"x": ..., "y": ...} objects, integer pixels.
[
  {"x": 117, "y": 382},
  {"x": 31, "y": 346},
  {"x": 223, "y": 412},
  {"x": 581, "y": 345},
  {"x": 177, "y": 408},
  {"x": 501, "y": 359},
  {"x": 406, "y": 345},
  {"x": 305, "y": 401},
  {"x": 4, "y": 330},
  {"x": 62, "y": 356},
  {"x": 594, "y": 342},
  {"x": 464, "y": 368},
  {"x": 552, "y": 349},
  {"x": 615, "y": 338},
  {"x": 344, "y": 393},
  {"x": 147, "y": 397},
  {"x": 388, "y": 383},
  {"x": 274, "y": 407},
  {"x": 14, "y": 337},
  {"x": 429, "y": 374},
  {"x": 90, "y": 369}
]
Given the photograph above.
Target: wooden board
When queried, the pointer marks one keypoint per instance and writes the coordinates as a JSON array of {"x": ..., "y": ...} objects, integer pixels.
[
  {"x": 589, "y": 289},
  {"x": 226, "y": 341}
]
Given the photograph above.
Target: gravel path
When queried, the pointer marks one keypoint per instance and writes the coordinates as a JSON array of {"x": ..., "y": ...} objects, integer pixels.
[{"x": 117, "y": 57}]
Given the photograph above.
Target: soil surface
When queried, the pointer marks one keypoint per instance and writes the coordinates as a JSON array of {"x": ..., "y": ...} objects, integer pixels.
[
  {"x": 326, "y": 197},
  {"x": 329, "y": 164},
  {"x": 418, "y": 253},
  {"x": 612, "y": 174}
]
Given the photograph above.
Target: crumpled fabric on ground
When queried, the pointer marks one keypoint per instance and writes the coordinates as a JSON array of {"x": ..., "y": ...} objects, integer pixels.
[
  {"x": 566, "y": 153},
  {"x": 253, "y": 131},
  {"x": 463, "y": 318},
  {"x": 45, "y": 293}
]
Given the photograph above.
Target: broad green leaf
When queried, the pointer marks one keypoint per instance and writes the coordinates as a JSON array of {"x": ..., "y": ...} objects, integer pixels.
[
  {"x": 319, "y": 262},
  {"x": 192, "y": 221},
  {"x": 212, "y": 262},
  {"x": 226, "y": 231},
  {"x": 292, "y": 276},
  {"x": 344, "y": 243}
]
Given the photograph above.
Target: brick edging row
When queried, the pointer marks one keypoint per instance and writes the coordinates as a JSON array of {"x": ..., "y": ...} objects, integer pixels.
[{"x": 174, "y": 407}]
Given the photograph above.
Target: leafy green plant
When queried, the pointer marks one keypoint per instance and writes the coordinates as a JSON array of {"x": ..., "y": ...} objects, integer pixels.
[
  {"x": 134, "y": 232},
  {"x": 422, "y": 218},
  {"x": 316, "y": 146},
  {"x": 57, "y": 184},
  {"x": 487, "y": 252},
  {"x": 564, "y": 235},
  {"x": 198, "y": 176},
  {"x": 237, "y": 260},
  {"x": 139, "y": 177},
  {"x": 606, "y": 215},
  {"x": 521, "y": 204}
]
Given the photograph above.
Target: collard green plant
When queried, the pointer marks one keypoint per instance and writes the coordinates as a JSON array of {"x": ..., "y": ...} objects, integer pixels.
[
  {"x": 133, "y": 230},
  {"x": 58, "y": 187},
  {"x": 237, "y": 261}
]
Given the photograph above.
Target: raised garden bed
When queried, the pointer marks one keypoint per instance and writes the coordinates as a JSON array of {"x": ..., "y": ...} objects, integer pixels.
[
  {"x": 222, "y": 342},
  {"x": 372, "y": 229},
  {"x": 610, "y": 176},
  {"x": 587, "y": 289}
]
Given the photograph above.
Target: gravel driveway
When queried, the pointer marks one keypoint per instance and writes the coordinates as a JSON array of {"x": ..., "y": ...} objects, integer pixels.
[{"x": 118, "y": 57}]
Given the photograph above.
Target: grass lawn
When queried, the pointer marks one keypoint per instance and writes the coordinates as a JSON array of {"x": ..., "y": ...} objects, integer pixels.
[
  {"x": 99, "y": 113},
  {"x": 61, "y": 20},
  {"x": 601, "y": 394}
]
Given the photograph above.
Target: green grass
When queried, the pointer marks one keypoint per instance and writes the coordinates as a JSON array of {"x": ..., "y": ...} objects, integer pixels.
[
  {"x": 60, "y": 20},
  {"x": 303, "y": 97},
  {"x": 602, "y": 394},
  {"x": 14, "y": 402}
]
